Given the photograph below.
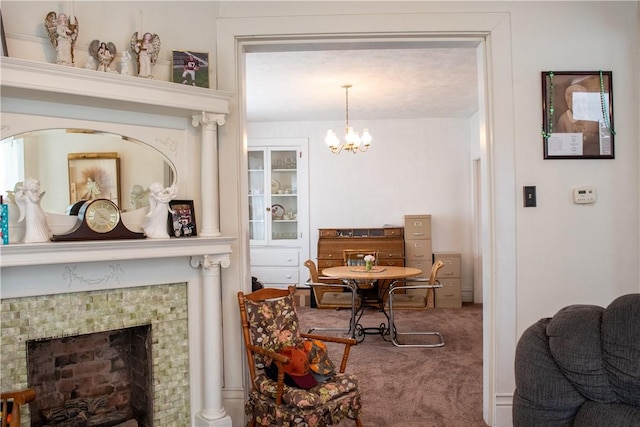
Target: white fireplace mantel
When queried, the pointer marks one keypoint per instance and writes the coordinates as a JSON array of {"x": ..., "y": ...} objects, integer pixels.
[{"x": 41, "y": 268}]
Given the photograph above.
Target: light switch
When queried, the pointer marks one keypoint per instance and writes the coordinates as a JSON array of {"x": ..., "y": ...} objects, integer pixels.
[{"x": 529, "y": 196}]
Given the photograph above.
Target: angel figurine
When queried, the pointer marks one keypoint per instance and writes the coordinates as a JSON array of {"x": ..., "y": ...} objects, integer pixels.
[
  {"x": 155, "y": 223},
  {"x": 28, "y": 199},
  {"x": 147, "y": 50},
  {"x": 104, "y": 52},
  {"x": 62, "y": 35}
]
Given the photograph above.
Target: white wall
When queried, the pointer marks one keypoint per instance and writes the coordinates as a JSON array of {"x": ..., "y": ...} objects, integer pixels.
[
  {"x": 564, "y": 253},
  {"x": 567, "y": 253},
  {"x": 412, "y": 167}
]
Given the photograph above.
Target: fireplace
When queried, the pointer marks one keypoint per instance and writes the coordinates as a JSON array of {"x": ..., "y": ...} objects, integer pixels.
[
  {"x": 99, "y": 379},
  {"x": 79, "y": 320},
  {"x": 71, "y": 288}
]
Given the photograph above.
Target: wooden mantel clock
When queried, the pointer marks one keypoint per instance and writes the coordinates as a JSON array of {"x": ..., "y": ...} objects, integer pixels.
[{"x": 98, "y": 219}]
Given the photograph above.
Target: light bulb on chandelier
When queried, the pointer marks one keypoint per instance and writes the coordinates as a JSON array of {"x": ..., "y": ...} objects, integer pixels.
[{"x": 352, "y": 140}]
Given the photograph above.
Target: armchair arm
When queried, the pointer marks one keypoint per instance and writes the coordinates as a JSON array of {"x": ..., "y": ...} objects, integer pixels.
[
  {"x": 348, "y": 342},
  {"x": 280, "y": 360}
]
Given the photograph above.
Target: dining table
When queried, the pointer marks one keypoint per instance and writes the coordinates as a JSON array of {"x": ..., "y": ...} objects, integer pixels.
[{"x": 372, "y": 286}]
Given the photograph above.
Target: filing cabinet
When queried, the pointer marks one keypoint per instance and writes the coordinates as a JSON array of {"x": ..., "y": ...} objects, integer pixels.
[
  {"x": 450, "y": 295},
  {"x": 417, "y": 247}
]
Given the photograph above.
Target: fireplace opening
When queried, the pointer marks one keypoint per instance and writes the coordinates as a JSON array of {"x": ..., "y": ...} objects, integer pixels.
[{"x": 101, "y": 379}]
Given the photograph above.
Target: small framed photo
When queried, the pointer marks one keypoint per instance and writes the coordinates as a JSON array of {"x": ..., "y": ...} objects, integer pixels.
[
  {"x": 182, "y": 218},
  {"x": 4, "y": 38},
  {"x": 94, "y": 176},
  {"x": 577, "y": 115},
  {"x": 191, "y": 68}
]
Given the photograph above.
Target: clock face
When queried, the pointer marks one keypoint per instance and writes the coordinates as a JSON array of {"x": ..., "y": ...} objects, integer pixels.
[{"x": 102, "y": 215}]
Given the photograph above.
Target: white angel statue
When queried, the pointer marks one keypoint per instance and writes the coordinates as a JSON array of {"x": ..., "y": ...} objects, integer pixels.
[
  {"x": 155, "y": 223},
  {"x": 147, "y": 50},
  {"x": 103, "y": 52},
  {"x": 124, "y": 62},
  {"x": 28, "y": 200},
  {"x": 62, "y": 35}
]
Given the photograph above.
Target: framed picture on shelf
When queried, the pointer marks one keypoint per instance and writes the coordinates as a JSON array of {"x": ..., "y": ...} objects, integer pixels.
[
  {"x": 94, "y": 176},
  {"x": 577, "y": 115},
  {"x": 190, "y": 68},
  {"x": 4, "y": 38},
  {"x": 182, "y": 219}
]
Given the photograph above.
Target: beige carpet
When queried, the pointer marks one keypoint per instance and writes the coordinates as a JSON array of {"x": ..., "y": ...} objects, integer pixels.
[{"x": 415, "y": 387}]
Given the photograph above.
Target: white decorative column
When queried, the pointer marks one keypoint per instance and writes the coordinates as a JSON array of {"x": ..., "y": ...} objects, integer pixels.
[
  {"x": 213, "y": 413},
  {"x": 210, "y": 223}
]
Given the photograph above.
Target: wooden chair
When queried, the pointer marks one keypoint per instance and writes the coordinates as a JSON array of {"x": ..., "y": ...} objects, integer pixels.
[
  {"x": 15, "y": 399},
  {"x": 333, "y": 295},
  {"x": 328, "y": 293},
  {"x": 414, "y": 296},
  {"x": 270, "y": 323}
]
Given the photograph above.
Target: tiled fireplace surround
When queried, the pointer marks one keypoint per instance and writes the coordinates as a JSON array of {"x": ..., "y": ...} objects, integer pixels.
[{"x": 68, "y": 288}]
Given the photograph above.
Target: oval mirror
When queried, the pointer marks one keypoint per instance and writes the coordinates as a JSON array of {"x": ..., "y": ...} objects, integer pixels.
[{"x": 81, "y": 164}]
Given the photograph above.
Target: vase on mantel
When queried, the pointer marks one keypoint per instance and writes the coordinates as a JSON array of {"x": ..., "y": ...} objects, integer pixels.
[{"x": 367, "y": 265}]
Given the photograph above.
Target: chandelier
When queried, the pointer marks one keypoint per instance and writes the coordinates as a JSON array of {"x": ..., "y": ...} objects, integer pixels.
[{"x": 352, "y": 140}]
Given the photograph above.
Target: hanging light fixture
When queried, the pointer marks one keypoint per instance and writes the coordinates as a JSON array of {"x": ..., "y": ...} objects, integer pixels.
[{"x": 352, "y": 140}]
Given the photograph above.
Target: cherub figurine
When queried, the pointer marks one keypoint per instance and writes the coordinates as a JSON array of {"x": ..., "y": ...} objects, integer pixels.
[
  {"x": 147, "y": 50},
  {"x": 62, "y": 35},
  {"x": 28, "y": 199},
  {"x": 104, "y": 52}
]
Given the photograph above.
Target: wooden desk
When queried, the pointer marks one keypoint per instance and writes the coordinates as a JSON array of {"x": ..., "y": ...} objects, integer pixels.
[{"x": 383, "y": 276}]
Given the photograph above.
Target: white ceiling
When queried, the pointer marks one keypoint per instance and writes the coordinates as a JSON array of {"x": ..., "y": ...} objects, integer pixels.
[{"x": 410, "y": 82}]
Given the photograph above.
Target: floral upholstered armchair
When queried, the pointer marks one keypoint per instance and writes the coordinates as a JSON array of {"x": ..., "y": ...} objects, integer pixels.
[{"x": 286, "y": 391}]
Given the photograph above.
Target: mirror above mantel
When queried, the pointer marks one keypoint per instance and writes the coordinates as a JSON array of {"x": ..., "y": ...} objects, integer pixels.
[
  {"x": 53, "y": 155},
  {"x": 176, "y": 122}
]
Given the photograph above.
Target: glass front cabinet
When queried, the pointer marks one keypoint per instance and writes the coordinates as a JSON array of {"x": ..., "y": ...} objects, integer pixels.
[{"x": 278, "y": 210}]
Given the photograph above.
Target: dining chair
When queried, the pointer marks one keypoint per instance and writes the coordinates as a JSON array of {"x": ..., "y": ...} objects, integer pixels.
[
  {"x": 333, "y": 295},
  {"x": 413, "y": 294},
  {"x": 327, "y": 292},
  {"x": 11, "y": 403},
  {"x": 270, "y": 328}
]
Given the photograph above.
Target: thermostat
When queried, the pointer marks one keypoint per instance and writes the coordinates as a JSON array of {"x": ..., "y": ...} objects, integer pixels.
[{"x": 584, "y": 195}]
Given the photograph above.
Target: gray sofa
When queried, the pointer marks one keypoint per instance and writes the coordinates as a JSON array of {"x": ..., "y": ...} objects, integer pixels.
[{"x": 580, "y": 368}]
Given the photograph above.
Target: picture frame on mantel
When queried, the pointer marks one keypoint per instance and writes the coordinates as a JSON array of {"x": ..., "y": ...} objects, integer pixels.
[
  {"x": 94, "y": 176},
  {"x": 190, "y": 68},
  {"x": 182, "y": 219},
  {"x": 577, "y": 115}
]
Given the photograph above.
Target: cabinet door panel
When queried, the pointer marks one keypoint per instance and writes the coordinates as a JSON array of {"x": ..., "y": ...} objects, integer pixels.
[
  {"x": 275, "y": 258},
  {"x": 268, "y": 275}
]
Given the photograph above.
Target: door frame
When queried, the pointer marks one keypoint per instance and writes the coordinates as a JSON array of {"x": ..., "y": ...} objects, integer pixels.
[{"x": 235, "y": 35}]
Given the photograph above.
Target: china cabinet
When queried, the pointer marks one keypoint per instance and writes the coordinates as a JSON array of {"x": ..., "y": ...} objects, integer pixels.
[{"x": 278, "y": 209}]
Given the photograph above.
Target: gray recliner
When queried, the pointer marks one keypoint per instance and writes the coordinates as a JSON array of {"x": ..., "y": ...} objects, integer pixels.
[{"x": 580, "y": 368}]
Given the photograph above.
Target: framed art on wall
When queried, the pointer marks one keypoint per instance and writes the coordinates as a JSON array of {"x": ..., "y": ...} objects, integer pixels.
[
  {"x": 577, "y": 115},
  {"x": 190, "y": 68},
  {"x": 94, "y": 176},
  {"x": 182, "y": 218}
]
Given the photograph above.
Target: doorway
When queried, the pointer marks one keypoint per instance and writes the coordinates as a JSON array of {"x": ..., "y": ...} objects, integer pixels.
[{"x": 234, "y": 34}]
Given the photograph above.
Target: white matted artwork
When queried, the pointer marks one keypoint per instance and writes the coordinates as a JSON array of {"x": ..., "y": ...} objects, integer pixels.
[{"x": 94, "y": 176}]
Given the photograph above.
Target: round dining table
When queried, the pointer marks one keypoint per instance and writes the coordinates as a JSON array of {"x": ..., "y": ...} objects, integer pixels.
[{"x": 378, "y": 279}]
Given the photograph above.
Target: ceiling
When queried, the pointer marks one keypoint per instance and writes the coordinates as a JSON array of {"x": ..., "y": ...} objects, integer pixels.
[{"x": 393, "y": 82}]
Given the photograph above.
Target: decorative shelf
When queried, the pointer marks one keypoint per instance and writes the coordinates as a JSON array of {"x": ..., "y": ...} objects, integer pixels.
[{"x": 43, "y": 81}]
